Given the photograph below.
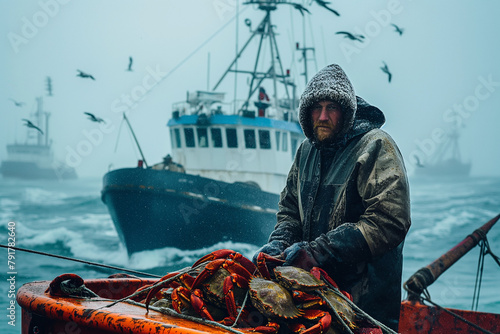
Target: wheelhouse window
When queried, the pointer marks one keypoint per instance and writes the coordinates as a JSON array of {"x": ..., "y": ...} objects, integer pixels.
[
  {"x": 250, "y": 138},
  {"x": 177, "y": 138},
  {"x": 264, "y": 139},
  {"x": 232, "y": 139},
  {"x": 284, "y": 146},
  {"x": 278, "y": 137},
  {"x": 216, "y": 137},
  {"x": 189, "y": 134},
  {"x": 202, "y": 137}
]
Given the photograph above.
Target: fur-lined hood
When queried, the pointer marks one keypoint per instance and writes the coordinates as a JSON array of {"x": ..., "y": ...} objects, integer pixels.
[{"x": 331, "y": 83}]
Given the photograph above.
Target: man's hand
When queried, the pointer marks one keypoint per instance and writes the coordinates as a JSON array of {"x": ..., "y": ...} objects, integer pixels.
[
  {"x": 300, "y": 255},
  {"x": 274, "y": 248}
]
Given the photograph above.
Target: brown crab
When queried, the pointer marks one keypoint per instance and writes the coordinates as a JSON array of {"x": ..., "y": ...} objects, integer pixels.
[{"x": 274, "y": 300}]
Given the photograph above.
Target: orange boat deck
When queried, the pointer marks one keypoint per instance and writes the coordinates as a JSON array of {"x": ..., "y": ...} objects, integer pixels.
[{"x": 42, "y": 313}]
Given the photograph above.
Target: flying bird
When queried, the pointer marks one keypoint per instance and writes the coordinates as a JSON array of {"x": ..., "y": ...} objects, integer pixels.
[
  {"x": 93, "y": 118},
  {"x": 130, "y": 61},
  {"x": 301, "y": 8},
  {"x": 17, "y": 103},
  {"x": 385, "y": 69},
  {"x": 418, "y": 162},
  {"x": 324, "y": 5},
  {"x": 397, "y": 29},
  {"x": 351, "y": 36},
  {"x": 84, "y": 75},
  {"x": 31, "y": 125}
]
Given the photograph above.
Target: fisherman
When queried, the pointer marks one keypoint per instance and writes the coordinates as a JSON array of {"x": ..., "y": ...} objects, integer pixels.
[
  {"x": 345, "y": 207},
  {"x": 169, "y": 164}
]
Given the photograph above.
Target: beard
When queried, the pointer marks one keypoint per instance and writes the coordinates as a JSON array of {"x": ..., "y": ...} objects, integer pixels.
[{"x": 325, "y": 132}]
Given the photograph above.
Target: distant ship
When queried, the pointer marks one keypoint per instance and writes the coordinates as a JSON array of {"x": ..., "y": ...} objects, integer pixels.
[
  {"x": 227, "y": 168},
  {"x": 446, "y": 161},
  {"x": 34, "y": 159}
]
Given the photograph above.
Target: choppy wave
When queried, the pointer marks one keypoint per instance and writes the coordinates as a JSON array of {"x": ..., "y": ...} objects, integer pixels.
[
  {"x": 72, "y": 221},
  {"x": 173, "y": 257}
]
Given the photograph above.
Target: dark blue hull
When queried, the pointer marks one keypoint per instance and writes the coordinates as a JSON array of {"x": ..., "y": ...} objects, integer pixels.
[
  {"x": 31, "y": 171},
  {"x": 154, "y": 209}
]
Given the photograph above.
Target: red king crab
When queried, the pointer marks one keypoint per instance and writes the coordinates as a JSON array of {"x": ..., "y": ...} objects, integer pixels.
[{"x": 285, "y": 295}]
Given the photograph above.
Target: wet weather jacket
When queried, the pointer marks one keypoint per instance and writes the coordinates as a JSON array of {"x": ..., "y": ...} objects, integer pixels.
[{"x": 349, "y": 200}]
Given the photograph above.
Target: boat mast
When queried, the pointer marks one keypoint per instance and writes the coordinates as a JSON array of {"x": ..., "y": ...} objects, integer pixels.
[
  {"x": 264, "y": 29},
  {"x": 41, "y": 138}
]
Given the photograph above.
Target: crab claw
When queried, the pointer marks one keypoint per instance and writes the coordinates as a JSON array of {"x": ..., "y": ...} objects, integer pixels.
[
  {"x": 270, "y": 328},
  {"x": 325, "y": 319},
  {"x": 162, "y": 283},
  {"x": 180, "y": 298},
  {"x": 264, "y": 261}
]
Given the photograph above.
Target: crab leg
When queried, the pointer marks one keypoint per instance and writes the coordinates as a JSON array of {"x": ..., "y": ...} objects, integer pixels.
[
  {"x": 166, "y": 282},
  {"x": 199, "y": 305},
  {"x": 320, "y": 273},
  {"x": 228, "y": 254},
  {"x": 228, "y": 287},
  {"x": 270, "y": 328},
  {"x": 181, "y": 297},
  {"x": 212, "y": 267},
  {"x": 263, "y": 262}
]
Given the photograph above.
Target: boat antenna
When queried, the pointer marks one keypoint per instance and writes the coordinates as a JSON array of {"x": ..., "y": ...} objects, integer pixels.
[
  {"x": 10, "y": 248},
  {"x": 135, "y": 139},
  {"x": 304, "y": 51},
  {"x": 236, "y": 46}
]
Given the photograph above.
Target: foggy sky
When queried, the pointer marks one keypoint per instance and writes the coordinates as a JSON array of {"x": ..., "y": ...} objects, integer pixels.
[{"x": 445, "y": 68}]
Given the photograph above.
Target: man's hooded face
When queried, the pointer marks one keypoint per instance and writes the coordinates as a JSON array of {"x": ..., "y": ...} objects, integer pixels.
[{"x": 327, "y": 120}]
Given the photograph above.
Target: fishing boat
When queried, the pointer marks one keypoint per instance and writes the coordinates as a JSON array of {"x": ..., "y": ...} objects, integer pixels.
[
  {"x": 228, "y": 162},
  {"x": 446, "y": 160},
  {"x": 34, "y": 159},
  {"x": 47, "y": 308}
]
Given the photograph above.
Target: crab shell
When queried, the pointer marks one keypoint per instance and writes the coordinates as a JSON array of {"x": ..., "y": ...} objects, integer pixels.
[
  {"x": 342, "y": 307},
  {"x": 272, "y": 300},
  {"x": 297, "y": 279},
  {"x": 213, "y": 289}
]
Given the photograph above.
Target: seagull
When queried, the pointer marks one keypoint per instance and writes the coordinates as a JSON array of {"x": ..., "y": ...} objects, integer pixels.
[
  {"x": 301, "y": 9},
  {"x": 130, "y": 60},
  {"x": 31, "y": 125},
  {"x": 93, "y": 118},
  {"x": 324, "y": 5},
  {"x": 385, "y": 69},
  {"x": 398, "y": 29},
  {"x": 84, "y": 75},
  {"x": 17, "y": 103},
  {"x": 352, "y": 37},
  {"x": 419, "y": 164}
]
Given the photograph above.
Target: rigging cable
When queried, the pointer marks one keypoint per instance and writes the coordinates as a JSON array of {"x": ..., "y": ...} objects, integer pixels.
[
  {"x": 484, "y": 250},
  {"x": 176, "y": 67},
  {"x": 81, "y": 261}
]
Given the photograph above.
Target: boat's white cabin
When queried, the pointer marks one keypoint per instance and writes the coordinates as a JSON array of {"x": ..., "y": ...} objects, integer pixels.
[{"x": 235, "y": 148}]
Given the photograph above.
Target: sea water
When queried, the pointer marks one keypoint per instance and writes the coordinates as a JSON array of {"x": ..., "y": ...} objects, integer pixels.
[{"x": 69, "y": 219}]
